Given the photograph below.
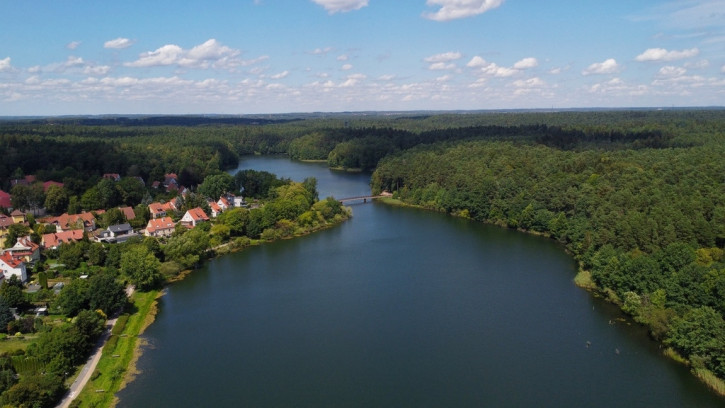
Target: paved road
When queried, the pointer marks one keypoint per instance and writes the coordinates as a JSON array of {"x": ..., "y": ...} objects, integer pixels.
[{"x": 92, "y": 362}]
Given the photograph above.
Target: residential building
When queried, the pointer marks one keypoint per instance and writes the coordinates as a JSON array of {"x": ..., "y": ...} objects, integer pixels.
[
  {"x": 5, "y": 200},
  {"x": 53, "y": 241},
  {"x": 10, "y": 266},
  {"x": 160, "y": 227},
  {"x": 193, "y": 217}
]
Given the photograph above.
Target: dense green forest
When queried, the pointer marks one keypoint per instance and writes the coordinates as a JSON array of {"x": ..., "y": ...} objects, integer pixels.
[
  {"x": 643, "y": 214},
  {"x": 638, "y": 197}
]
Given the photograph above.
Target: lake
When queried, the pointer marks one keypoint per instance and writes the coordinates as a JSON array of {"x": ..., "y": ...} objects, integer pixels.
[{"x": 398, "y": 307}]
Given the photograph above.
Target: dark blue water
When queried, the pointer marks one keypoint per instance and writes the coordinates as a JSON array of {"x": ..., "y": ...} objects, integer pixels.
[{"x": 397, "y": 308}]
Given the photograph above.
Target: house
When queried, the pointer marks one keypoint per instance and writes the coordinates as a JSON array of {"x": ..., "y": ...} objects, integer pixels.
[
  {"x": 25, "y": 250},
  {"x": 5, "y": 223},
  {"x": 112, "y": 176},
  {"x": 116, "y": 233},
  {"x": 25, "y": 181},
  {"x": 18, "y": 216},
  {"x": 128, "y": 213},
  {"x": 171, "y": 179},
  {"x": 5, "y": 200},
  {"x": 159, "y": 210},
  {"x": 65, "y": 222},
  {"x": 194, "y": 217},
  {"x": 53, "y": 241},
  {"x": 223, "y": 203},
  {"x": 215, "y": 209},
  {"x": 50, "y": 183},
  {"x": 160, "y": 227},
  {"x": 120, "y": 229},
  {"x": 10, "y": 266}
]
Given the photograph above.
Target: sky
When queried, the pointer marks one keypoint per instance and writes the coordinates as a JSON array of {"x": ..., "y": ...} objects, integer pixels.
[{"x": 280, "y": 56}]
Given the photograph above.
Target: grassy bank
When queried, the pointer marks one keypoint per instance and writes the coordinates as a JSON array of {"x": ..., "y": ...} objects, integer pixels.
[{"x": 117, "y": 365}]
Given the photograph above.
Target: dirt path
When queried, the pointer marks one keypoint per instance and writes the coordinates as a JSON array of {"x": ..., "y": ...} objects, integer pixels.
[{"x": 92, "y": 362}]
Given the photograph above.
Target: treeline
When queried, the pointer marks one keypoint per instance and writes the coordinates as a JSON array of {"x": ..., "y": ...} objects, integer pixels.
[{"x": 648, "y": 224}]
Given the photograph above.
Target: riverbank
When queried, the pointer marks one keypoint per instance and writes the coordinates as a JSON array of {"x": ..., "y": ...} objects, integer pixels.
[
  {"x": 117, "y": 366},
  {"x": 583, "y": 279}
]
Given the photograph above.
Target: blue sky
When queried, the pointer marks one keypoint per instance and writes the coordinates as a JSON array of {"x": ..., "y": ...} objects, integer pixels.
[{"x": 274, "y": 56}]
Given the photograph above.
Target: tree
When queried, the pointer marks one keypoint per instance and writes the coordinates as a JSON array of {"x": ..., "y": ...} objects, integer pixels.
[
  {"x": 56, "y": 199},
  {"x": 216, "y": 185},
  {"x": 74, "y": 297},
  {"x": 6, "y": 316},
  {"x": 12, "y": 292},
  {"x": 236, "y": 219},
  {"x": 141, "y": 267},
  {"x": 106, "y": 293},
  {"x": 187, "y": 249},
  {"x": 15, "y": 231}
]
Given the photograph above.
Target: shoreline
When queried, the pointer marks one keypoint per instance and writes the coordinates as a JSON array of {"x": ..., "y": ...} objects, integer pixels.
[
  {"x": 583, "y": 280},
  {"x": 131, "y": 371}
]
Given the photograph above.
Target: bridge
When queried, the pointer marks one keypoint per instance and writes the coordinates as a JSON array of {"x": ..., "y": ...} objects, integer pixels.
[{"x": 364, "y": 198}]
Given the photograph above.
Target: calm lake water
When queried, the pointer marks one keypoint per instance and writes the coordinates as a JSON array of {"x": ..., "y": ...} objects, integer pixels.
[{"x": 397, "y": 308}]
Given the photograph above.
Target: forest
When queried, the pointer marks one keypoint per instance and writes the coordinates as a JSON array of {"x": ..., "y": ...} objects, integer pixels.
[{"x": 636, "y": 196}]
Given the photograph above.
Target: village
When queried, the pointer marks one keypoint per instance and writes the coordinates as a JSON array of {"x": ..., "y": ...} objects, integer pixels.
[{"x": 164, "y": 217}]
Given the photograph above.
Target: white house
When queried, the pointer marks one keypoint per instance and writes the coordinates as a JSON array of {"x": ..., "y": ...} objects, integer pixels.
[
  {"x": 10, "y": 266},
  {"x": 193, "y": 217}
]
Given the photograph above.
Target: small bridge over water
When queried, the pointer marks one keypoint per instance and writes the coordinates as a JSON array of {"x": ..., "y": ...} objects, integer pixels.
[{"x": 364, "y": 199}]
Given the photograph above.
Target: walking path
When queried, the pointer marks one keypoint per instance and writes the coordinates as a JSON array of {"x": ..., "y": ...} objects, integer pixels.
[{"x": 92, "y": 362}]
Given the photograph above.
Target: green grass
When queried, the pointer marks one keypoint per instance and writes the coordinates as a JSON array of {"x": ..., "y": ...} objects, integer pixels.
[
  {"x": 118, "y": 365},
  {"x": 12, "y": 343}
]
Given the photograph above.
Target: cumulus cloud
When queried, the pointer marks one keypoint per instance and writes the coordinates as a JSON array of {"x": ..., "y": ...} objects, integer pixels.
[
  {"x": 455, "y": 9},
  {"x": 73, "y": 45},
  {"x": 670, "y": 71},
  {"x": 661, "y": 54},
  {"x": 347, "y": 67},
  {"x": 490, "y": 68},
  {"x": 337, "y": 6},
  {"x": 209, "y": 54},
  {"x": 609, "y": 66},
  {"x": 527, "y": 63},
  {"x": 118, "y": 43},
  {"x": 444, "y": 57},
  {"x": 5, "y": 65},
  {"x": 722, "y": 69}
]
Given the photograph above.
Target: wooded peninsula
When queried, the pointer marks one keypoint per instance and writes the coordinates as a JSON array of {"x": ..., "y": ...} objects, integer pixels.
[{"x": 636, "y": 196}]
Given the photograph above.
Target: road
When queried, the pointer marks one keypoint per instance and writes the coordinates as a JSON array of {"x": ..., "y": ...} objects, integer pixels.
[{"x": 92, "y": 362}]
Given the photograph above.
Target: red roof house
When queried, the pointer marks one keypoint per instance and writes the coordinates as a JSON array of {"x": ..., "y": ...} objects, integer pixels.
[
  {"x": 5, "y": 200},
  {"x": 194, "y": 217}
]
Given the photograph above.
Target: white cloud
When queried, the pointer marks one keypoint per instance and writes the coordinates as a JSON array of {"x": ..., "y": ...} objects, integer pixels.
[
  {"x": 73, "y": 45},
  {"x": 342, "y": 57},
  {"x": 440, "y": 66},
  {"x": 321, "y": 51},
  {"x": 347, "y": 67},
  {"x": 527, "y": 63},
  {"x": 96, "y": 70},
  {"x": 455, "y": 9},
  {"x": 444, "y": 57},
  {"x": 166, "y": 55},
  {"x": 722, "y": 69},
  {"x": 609, "y": 66},
  {"x": 534, "y": 82},
  {"x": 118, "y": 43},
  {"x": 335, "y": 6},
  {"x": 5, "y": 65},
  {"x": 209, "y": 54},
  {"x": 281, "y": 75},
  {"x": 670, "y": 71},
  {"x": 490, "y": 68},
  {"x": 661, "y": 54}
]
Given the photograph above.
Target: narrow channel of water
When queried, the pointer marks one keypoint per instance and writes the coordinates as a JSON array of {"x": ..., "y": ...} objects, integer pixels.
[{"x": 398, "y": 307}]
